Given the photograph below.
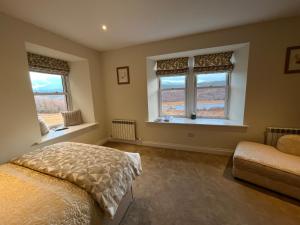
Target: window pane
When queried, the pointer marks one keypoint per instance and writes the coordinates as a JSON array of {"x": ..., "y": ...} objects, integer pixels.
[
  {"x": 173, "y": 95},
  {"x": 46, "y": 83},
  {"x": 211, "y": 95},
  {"x": 172, "y": 82},
  {"x": 49, "y": 108}
]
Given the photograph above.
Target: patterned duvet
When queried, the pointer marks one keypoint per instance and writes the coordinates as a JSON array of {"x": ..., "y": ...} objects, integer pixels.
[{"x": 105, "y": 173}]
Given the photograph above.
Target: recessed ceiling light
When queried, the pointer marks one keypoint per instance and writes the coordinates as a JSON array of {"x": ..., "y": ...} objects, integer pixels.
[{"x": 104, "y": 27}]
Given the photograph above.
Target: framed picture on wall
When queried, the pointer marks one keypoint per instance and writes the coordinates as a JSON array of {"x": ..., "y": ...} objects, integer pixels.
[
  {"x": 292, "y": 61},
  {"x": 123, "y": 75}
]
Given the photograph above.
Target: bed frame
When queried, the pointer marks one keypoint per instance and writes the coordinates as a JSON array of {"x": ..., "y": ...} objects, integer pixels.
[{"x": 100, "y": 219}]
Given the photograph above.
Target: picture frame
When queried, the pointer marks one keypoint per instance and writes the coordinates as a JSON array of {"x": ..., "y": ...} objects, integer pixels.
[
  {"x": 292, "y": 60},
  {"x": 123, "y": 75}
]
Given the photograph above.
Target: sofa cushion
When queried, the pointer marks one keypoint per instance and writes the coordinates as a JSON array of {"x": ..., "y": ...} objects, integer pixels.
[
  {"x": 268, "y": 167},
  {"x": 72, "y": 118},
  {"x": 289, "y": 144},
  {"x": 267, "y": 156},
  {"x": 43, "y": 127}
]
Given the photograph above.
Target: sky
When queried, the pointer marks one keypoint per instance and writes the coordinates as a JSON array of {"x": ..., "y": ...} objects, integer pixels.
[
  {"x": 179, "y": 81},
  {"x": 43, "y": 82}
]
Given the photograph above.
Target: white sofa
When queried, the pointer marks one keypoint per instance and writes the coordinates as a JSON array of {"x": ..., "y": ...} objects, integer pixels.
[{"x": 277, "y": 169}]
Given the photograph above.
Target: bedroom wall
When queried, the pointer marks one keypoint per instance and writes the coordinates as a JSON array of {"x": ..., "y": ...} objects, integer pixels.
[
  {"x": 272, "y": 97},
  {"x": 81, "y": 99},
  {"x": 19, "y": 128},
  {"x": 238, "y": 84}
]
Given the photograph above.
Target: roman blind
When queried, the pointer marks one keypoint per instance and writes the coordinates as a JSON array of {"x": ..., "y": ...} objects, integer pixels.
[
  {"x": 172, "y": 66},
  {"x": 216, "y": 62},
  {"x": 45, "y": 64}
]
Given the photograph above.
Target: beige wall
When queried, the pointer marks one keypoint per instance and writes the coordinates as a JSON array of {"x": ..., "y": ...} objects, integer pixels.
[
  {"x": 18, "y": 123},
  {"x": 80, "y": 88},
  {"x": 238, "y": 84},
  {"x": 272, "y": 97}
]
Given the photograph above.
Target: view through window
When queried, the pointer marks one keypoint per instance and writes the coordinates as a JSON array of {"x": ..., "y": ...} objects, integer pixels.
[
  {"x": 172, "y": 95},
  {"x": 212, "y": 95},
  {"x": 50, "y": 96}
]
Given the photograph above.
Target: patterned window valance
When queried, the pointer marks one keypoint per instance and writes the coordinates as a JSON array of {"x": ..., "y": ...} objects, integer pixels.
[
  {"x": 44, "y": 64},
  {"x": 217, "y": 62},
  {"x": 172, "y": 66}
]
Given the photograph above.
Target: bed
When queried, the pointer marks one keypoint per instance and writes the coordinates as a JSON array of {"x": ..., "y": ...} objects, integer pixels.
[{"x": 68, "y": 183}]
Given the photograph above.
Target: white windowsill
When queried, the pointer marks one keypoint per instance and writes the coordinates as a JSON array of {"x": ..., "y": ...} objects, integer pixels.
[
  {"x": 201, "y": 122},
  {"x": 53, "y": 135}
]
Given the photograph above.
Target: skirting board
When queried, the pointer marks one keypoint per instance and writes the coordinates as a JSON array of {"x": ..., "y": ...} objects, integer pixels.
[
  {"x": 101, "y": 141},
  {"x": 209, "y": 150}
]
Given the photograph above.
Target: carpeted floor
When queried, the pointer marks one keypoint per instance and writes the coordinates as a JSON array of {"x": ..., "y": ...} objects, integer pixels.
[{"x": 186, "y": 188}]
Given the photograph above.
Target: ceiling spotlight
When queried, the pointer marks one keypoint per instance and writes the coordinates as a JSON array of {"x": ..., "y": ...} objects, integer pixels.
[{"x": 104, "y": 27}]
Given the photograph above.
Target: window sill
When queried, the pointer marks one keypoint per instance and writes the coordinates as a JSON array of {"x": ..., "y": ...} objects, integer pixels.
[
  {"x": 56, "y": 135},
  {"x": 201, "y": 122}
]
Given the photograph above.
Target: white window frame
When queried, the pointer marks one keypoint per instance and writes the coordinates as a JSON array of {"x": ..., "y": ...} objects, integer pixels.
[
  {"x": 191, "y": 95},
  {"x": 227, "y": 95},
  {"x": 66, "y": 93},
  {"x": 160, "y": 96}
]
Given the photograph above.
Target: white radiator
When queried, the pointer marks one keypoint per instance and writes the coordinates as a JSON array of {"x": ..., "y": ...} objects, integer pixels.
[
  {"x": 272, "y": 134},
  {"x": 123, "y": 130}
]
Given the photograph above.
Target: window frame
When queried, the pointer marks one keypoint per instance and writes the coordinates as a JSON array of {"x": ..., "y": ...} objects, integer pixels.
[
  {"x": 227, "y": 95},
  {"x": 66, "y": 92},
  {"x": 160, "y": 114}
]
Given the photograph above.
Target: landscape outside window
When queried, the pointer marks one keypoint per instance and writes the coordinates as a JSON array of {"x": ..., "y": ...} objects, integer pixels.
[
  {"x": 50, "y": 97},
  {"x": 211, "y": 95},
  {"x": 173, "y": 95}
]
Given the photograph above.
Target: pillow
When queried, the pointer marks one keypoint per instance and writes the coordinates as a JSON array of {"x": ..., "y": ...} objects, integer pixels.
[
  {"x": 72, "y": 118},
  {"x": 43, "y": 126},
  {"x": 289, "y": 144}
]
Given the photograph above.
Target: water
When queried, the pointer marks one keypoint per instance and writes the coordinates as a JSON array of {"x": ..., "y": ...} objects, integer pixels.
[
  {"x": 208, "y": 106},
  {"x": 205, "y": 106}
]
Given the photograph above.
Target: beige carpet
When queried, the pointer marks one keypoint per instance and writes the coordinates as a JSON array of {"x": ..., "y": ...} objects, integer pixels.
[{"x": 185, "y": 188}]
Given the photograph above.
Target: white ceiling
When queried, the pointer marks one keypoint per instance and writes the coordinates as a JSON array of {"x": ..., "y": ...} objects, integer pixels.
[{"x": 133, "y": 22}]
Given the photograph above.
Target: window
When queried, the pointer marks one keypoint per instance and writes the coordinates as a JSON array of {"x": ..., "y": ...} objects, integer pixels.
[
  {"x": 212, "y": 86},
  {"x": 172, "y": 95},
  {"x": 202, "y": 89},
  {"x": 212, "y": 95},
  {"x": 51, "y": 96}
]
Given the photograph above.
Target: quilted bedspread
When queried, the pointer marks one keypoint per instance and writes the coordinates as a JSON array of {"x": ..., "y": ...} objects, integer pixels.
[
  {"x": 28, "y": 197},
  {"x": 103, "y": 172}
]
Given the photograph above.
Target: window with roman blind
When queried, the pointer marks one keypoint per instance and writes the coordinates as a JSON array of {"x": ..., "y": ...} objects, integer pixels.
[
  {"x": 49, "y": 80},
  {"x": 212, "y": 73},
  {"x": 203, "y": 88},
  {"x": 172, "y": 74}
]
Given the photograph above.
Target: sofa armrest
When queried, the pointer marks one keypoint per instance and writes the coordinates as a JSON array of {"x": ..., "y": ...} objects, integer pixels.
[{"x": 267, "y": 156}]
